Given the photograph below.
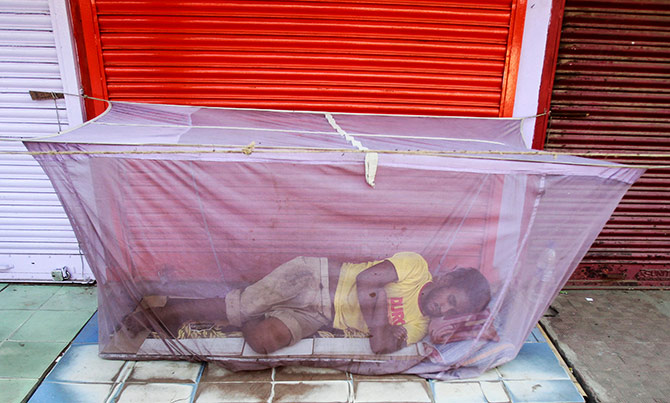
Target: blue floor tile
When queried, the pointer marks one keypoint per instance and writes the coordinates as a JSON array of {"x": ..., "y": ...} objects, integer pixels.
[
  {"x": 535, "y": 361},
  {"x": 531, "y": 338},
  {"x": 52, "y": 392},
  {"x": 81, "y": 364},
  {"x": 545, "y": 391},
  {"x": 537, "y": 334},
  {"x": 89, "y": 334}
]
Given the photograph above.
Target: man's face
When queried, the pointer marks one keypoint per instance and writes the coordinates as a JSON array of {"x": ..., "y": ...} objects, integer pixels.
[{"x": 446, "y": 301}]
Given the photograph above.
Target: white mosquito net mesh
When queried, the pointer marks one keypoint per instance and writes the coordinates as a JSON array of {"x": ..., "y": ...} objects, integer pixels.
[{"x": 373, "y": 244}]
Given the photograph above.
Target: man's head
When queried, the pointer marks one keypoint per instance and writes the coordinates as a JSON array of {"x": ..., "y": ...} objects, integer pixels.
[{"x": 462, "y": 291}]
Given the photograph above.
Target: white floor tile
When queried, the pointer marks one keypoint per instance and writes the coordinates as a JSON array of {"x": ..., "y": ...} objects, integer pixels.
[
  {"x": 312, "y": 392},
  {"x": 378, "y": 392},
  {"x": 303, "y": 347},
  {"x": 233, "y": 392},
  {"x": 229, "y": 346},
  {"x": 165, "y": 371},
  {"x": 216, "y": 373},
  {"x": 355, "y": 346},
  {"x": 155, "y": 392},
  {"x": 494, "y": 392},
  {"x": 458, "y": 392},
  {"x": 299, "y": 373},
  {"x": 490, "y": 375},
  {"x": 82, "y": 364}
]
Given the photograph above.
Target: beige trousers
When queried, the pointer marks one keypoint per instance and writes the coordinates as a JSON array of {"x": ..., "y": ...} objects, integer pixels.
[{"x": 296, "y": 293}]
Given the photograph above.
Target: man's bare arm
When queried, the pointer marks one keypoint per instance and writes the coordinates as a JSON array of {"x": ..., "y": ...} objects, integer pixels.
[{"x": 384, "y": 338}]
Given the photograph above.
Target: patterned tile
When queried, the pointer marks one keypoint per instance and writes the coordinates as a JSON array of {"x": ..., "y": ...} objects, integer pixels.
[
  {"x": 241, "y": 392},
  {"x": 82, "y": 364},
  {"x": 26, "y": 296},
  {"x": 52, "y": 326},
  {"x": 312, "y": 392},
  {"x": 545, "y": 391},
  {"x": 50, "y": 392},
  {"x": 27, "y": 359},
  {"x": 535, "y": 361}
]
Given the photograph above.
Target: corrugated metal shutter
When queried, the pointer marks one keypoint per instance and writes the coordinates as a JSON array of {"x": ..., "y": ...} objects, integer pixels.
[
  {"x": 425, "y": 57},
  {"x": 35, "y": 234},
  {"x": 612, "y": 94}
]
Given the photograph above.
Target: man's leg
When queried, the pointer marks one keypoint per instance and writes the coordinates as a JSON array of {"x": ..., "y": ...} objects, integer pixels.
[
  {"x": 295, "y": 284},
  {"x": 174, "y": 313}
]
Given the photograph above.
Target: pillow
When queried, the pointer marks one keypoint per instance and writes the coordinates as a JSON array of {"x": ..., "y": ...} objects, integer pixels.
[{"x": 459, "y": 328}]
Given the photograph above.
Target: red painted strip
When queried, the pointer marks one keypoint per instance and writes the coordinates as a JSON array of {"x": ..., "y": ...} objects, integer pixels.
[
  {"x": 548, "y": 73},
  {"x": 93, "y": 59}
]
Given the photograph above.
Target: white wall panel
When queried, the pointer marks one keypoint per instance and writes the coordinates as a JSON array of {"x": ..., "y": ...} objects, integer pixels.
[{"x": 35, "y": 234}]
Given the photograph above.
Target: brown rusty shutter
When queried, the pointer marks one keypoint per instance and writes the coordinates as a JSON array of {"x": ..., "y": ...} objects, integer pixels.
[
  {"x": 612, "y": 94},
  {"x": 391, "y": 56}
]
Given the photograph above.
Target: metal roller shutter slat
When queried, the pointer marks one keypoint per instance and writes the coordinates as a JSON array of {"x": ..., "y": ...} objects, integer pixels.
[
  {"x": 612, "y": 94},
  {"x": 426, "y": 57}
]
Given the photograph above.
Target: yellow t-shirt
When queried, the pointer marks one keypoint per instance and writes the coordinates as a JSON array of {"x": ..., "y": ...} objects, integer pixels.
[{"x": 402, "y": 297}]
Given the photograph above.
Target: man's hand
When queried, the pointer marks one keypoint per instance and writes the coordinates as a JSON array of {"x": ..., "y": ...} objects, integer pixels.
[
  {"x": 370, "y": 284},
  {"x": 388, "y": 339},
  {"x": 399, "y": 333}
]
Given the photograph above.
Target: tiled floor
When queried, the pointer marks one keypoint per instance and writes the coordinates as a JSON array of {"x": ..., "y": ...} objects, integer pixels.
[
  {"x": 81, "y": 376},
  {"x": 37, "y": 323}
]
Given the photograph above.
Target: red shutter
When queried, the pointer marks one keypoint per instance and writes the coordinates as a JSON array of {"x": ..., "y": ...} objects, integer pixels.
[
  {"x": 391, "y": 56},
  {"x": 612, "y": 94}
]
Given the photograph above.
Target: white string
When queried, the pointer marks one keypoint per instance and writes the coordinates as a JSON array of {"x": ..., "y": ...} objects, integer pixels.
[
  {"x": 344, "y": 134},
  {"x": 371, "y": 158},
  {"x": 305, "y": 111}
]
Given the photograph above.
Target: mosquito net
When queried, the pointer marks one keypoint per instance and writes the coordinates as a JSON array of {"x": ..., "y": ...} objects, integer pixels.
[{"x": 373, "y": 244}]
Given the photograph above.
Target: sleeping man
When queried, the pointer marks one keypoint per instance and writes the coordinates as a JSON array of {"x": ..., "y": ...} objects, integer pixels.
[{"x": 390, "y": 301}]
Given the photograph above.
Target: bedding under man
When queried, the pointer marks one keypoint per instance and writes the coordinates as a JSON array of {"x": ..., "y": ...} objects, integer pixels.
[{"x": 390, "y": 301}]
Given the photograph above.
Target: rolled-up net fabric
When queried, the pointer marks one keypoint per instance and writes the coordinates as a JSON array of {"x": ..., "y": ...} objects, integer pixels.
[{"x": 369, "y": 243}]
